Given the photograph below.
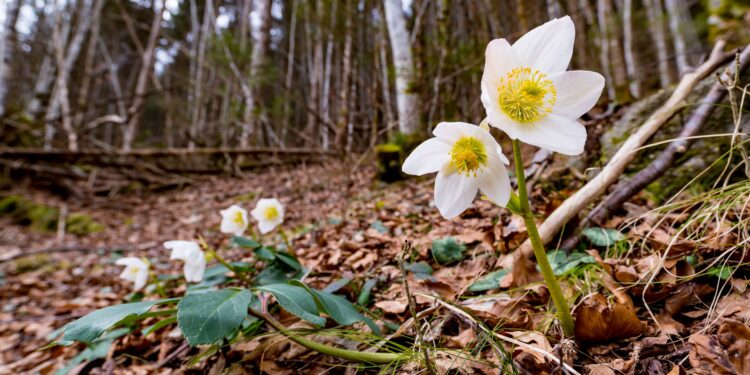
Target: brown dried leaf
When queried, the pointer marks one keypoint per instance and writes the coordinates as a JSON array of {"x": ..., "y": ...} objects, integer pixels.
[
  {"x": 735, "y": 337},
  {"x": 597, "y": 320},
  {"x": 708, "y": 357}
]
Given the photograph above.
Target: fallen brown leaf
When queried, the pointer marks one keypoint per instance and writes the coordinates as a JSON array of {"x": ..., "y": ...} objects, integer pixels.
[
  {"x": 597, "y": 320},
  {"x": 708, "y": 357},
  {"x": 735, "y": 337}
]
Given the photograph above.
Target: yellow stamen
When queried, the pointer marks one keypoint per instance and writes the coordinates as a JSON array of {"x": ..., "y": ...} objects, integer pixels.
[
  {"x": 468, "y": 155},
  {"x": 238, "y": 218},
  {"x": 271, "y": 213},
  {"x": 526, "y": 95}
]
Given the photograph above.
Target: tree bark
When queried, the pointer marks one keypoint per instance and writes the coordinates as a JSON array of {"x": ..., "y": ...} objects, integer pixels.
[
  {"x": 147, "y": 63},
  {"x": 627, "y": 40},
  {"x": 684, "y": 37},
  {"x": 260, "y": 46},
  {"x": 654, "y": 12},
  {"x": 407, "y": 101},
  {"x": 8, "y": 39}
]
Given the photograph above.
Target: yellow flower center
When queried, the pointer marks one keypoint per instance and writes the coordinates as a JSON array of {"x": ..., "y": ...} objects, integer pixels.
[
  {"x": 238, "y": 218},
  {"x": 134, "y": 270},
  {"x": 468, "y": 155},
  {"x": 271, "y": 213},
  {"x": 526, "y": 95}
]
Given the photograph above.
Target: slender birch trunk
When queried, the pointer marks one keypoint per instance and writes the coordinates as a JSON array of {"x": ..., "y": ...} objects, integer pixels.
[
  {"x": 406, "y": 100},
  {"x": 147, "y": 63},
  {"x": 684, "y": 37},
  {"x": 8, "y": 39},
  {"x": 346, "y": 72},
  {"x": 654, "y": 12},
  {"x": 627, "y": 40},
  {"x": 250, "y": 128}
]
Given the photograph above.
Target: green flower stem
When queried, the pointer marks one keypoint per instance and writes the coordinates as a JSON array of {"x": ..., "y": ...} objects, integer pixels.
[
  {"x": 289, "y": 247},
  {"x": 563, "y": 311},
  {"x": 229, "y": 266},
  {"x": 351, "y": 355}
]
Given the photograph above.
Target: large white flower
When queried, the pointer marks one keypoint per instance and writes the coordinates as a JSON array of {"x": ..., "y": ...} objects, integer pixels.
[
  {"x": 269, "y": 213},
  {"x": 190, "y": 253},
  {"x": 234, "y": 220},
  {"x": 467, "y": 158},
  {"x": 528, "y": 94},
  {"x": 136, "y": 271}
]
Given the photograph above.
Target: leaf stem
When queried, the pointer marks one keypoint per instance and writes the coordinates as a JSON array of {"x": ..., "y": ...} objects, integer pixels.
[
  {"x": 563, "y": 311},
  {"x": 289, "y": 247},
  {"x": 351, "y": 355},
  {"x": 240, "y": 275}
]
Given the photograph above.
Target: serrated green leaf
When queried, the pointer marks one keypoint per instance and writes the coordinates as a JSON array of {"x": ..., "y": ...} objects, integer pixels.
[
  {"x": 296, "y": 300},
  {"x": 245, "y": 242},
  {"x": 447, "y": 250},
  {"x": 91, "y": 326},
  {"x": 489, "y": 281},
  {"x": 603, "y": 237},
  {"x": 206, "y": 318}
]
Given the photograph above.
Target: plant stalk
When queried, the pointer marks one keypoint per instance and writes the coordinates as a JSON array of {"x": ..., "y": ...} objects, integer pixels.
[
  {"x": 563, "y": 311},
  {"x": 351, "y": 355}
]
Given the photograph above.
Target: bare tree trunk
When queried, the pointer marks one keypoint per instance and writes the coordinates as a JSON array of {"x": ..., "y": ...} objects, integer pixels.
[
  {"x": 553, "y": 9},
  {"x": 611, "y": 53},
  {"x": 655, "y": 13},
  {"x": 147, "y": 62},
  {"x": 325, "y": 99},
  {"x": 406, "y": 100},
  {"x": 8, "y": 39},
  {"x": 627, "y": 40},
  {"x": 46, "y": 75},
  {"x": 387, "y": 101},
  {"x": 289, "y": 68},
  {"x": 684, "y": 37},
  {"x": 196, "y": 123},
  {"x": 88, "y": 75},
  {"x": 260, "y": 45},
  {"x": 346, "y": 72}
]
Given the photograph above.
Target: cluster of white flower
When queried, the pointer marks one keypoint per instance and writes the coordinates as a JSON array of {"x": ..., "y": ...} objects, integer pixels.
[
  {"x": 268, "y": 212},
  {"x": 528, "y": 94}
]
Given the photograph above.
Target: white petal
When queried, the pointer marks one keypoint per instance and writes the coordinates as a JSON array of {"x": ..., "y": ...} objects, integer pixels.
[
  {"x": 130, "y": 262},
  {"x": 454, "y": 192},
  {"x": 195, "y": 269},
  {"x": 141, "y": 278},
  {"x": 428, "y": 157},
  {"x": 495, "y": 182},
  {"x": 266, "y": 226},
  {"x": 548, "y": 47},
  {"x": 183, "y": 250},
  {"x": 554, "y": 133},
  {"x": 452, "y": 131},
  {"x": 577, "y": 92},
  {"x": 499, "y": 59}
]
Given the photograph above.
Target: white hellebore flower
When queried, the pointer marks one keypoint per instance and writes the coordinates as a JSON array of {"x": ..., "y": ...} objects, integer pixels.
[
  {"x": 269, "y": 213},
  {"x": 467, "y": 158},
  {"x": 234, "y": 220},
  {"x": 528, "y": 94},
  {"x": 190, "y": 253},
  {"x": 136, "y": 271}
]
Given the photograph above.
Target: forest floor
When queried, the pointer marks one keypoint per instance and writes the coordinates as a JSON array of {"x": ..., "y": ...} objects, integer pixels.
[{"x": 631, "y": 320}]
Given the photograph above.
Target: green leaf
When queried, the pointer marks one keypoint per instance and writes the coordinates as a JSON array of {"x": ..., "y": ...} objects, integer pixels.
[
  {"x": 722, "y": 272},
  {"x": 296, "y": 300},
  {"x": 99, "y": 348},
  {"x": 447, "y": 250},
  {"x": 603, "y": 237},
  {"x": 289, "y": 261},
  {"x": 339, "y": 308},
  {"x": 562, "y": 264},
  {"x": 421, "y": 270},
  {"x": 158, "y": 325},
  {"x": 206, "y": 318},
  {"x": 336, "y": 285},
  {"x": 245, "y": 242},
  {"x": 364, "y": 295},
  {"x": 489, "y": 281},
  {"x": 265, "y": 253},
  {"x": 91, "y": 326}
]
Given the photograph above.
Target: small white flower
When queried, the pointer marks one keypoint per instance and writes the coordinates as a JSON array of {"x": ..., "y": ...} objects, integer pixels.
[
  {"x": 269, "y": 213},
  {"x": 467, "y": 158},
  {"x": 136, "y": 271},
  {"x": 190, "y": 253},
  {"x": 234, "y": 220},
  {"x": 528, "y": 94}
]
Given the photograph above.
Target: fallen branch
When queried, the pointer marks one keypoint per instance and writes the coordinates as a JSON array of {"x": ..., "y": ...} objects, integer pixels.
[
  {"x": 616, "y": 166},
  {"x": 625, "y": 190}
]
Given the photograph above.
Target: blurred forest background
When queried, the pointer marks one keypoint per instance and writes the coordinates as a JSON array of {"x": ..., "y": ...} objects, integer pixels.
[{"x": 324, "y": 75}]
